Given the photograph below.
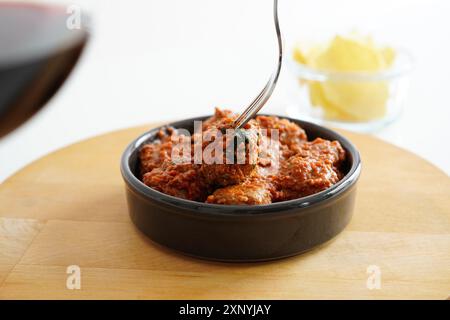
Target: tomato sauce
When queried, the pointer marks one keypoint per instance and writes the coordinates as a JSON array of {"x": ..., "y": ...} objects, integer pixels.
[{"x": 285, "y": 168}]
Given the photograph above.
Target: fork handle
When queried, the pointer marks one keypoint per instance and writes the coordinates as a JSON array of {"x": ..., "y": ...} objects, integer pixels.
[{"x": 256, "y": 105}]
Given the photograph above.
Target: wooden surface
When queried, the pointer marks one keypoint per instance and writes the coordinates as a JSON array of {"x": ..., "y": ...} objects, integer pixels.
[{"x": 69, "y": 208}]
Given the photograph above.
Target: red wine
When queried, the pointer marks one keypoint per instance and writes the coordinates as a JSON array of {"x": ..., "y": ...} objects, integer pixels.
[{"x": 37, "y": 53}]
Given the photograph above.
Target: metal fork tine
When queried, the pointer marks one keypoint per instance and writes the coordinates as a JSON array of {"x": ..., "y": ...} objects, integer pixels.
[{"x": 246, "y": 115}]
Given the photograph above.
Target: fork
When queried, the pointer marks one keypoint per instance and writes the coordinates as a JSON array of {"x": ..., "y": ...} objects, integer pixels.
[{"x": 267, "y": 91}]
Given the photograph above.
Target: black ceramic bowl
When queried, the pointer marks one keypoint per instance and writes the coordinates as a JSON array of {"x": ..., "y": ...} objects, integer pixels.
[{"x": 241, "y": 233}]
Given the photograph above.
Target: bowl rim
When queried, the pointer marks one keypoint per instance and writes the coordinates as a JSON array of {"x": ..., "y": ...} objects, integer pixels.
[{"x": 241, "y": 210}]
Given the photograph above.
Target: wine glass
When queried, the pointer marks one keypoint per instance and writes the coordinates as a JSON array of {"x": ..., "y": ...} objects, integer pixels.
[{"x": 39, "y": 47}]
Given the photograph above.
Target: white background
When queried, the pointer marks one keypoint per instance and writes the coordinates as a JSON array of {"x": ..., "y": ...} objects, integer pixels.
[{"x": 160, "y": 60}]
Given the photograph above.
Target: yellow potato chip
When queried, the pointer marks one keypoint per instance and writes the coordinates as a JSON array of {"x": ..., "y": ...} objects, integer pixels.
[
  {"x": 361, "y": 101},
  {"x": 299, "y": 56},
  {"x": 345, "y": 54},
  {"x": 318, "y": 99}
]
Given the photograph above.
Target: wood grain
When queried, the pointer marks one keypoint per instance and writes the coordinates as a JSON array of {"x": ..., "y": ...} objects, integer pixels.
[
  {"x": 69, "y": 208},
  {"x": 15, "y": 237}
]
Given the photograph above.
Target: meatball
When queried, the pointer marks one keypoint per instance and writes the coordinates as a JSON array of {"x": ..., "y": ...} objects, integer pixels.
[
  {"x": 269, "y": 157},
  {"x": 314, "y": 168},
  {"x": 226, "y": 174},
  {"x": 289, "y": 133},
  {"x": 179, "y": 180},
  {"x": 238, "y": 156},
  {"x": 152, "y": 155},
  {"x": 300, "y": 177},
  {"x": 250, "y": 192},
  {"x": 330, "y": 152},
  {"x": 220, "y": 118}
]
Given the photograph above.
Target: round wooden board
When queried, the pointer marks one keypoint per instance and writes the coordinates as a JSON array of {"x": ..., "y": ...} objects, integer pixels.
[{"x": 69, "y": 208}]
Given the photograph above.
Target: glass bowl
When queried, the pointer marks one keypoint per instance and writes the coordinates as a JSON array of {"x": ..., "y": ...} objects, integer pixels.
[{"x": 357, "y": 101}]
